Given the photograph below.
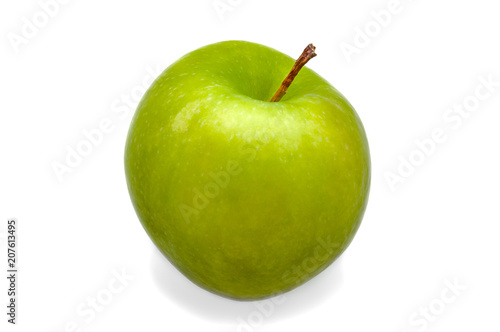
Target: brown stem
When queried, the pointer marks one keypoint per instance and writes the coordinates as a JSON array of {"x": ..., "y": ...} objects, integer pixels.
[{"x": 307, "y": 55}]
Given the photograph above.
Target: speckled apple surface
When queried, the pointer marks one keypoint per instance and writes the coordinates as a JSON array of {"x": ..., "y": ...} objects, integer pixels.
[{"x": 247, "y": 198}]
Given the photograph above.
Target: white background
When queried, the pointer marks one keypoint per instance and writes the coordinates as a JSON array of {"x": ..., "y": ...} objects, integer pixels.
[{"x": 438, "y": 227}]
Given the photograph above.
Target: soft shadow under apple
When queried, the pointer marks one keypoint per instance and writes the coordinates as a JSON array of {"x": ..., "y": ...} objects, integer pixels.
[{"x": 181, "y": 290}]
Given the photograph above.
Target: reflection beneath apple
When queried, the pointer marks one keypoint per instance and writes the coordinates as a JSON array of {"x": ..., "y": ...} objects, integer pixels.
[{"x": 177, "y": 288}]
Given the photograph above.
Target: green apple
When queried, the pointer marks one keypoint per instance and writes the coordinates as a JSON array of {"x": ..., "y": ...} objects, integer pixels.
[{"x": 247, "y": 198}]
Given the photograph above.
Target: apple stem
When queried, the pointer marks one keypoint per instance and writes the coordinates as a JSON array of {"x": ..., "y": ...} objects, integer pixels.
[{"x": 307, "y": 55}]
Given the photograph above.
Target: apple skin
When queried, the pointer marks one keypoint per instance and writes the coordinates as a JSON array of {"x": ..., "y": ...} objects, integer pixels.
[{"x": 247, "y": 198}]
